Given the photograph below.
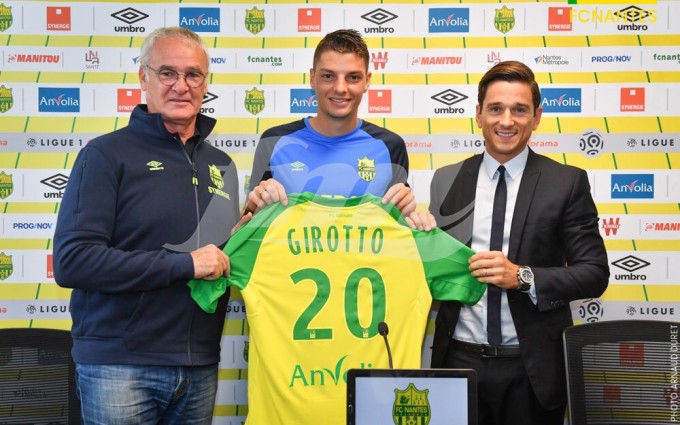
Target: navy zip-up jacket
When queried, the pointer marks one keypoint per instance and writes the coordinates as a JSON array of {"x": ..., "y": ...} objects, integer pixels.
[{"x": 135, "y": 205}]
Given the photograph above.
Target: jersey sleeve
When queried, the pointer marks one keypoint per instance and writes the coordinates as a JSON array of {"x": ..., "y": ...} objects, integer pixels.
[
  {"x": 445, "y": 260},
  {"x": 396, "y": 147}
]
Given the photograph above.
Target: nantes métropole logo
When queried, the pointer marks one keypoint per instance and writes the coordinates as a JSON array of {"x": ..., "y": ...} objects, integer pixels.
[
  {"x": 6, "y": 99},
  {"x": 411, "y": 406},
  {"x": 6, "y": 18},
  {"x": 254, "y": 101},
  {"x": 254, "y": 20}
]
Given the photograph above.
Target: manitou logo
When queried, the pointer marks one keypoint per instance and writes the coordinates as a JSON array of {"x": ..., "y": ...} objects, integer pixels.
[{"x": 611, "y": 226}]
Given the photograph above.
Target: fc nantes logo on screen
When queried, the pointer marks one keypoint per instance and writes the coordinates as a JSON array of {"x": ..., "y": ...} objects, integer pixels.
[
  {"x": 504, "y": 20},
  {"x": 254, "y": 20},
  {"x": 6, "y": 99},
  {"x": 254, "y": 101},
  {"x": 366, "y": 168},
  {"x": 5, "y": 17},
  {"x": 411, "y": 406}
]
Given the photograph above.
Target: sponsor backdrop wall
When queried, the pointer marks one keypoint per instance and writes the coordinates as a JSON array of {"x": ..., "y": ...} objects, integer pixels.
[{"x": 611, "y": 100}]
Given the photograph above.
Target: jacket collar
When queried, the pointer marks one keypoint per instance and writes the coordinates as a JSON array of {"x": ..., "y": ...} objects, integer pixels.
[{"x": 142, "y": 118}]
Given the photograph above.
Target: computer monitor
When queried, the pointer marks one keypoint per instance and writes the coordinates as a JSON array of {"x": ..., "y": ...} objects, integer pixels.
[{"x": 404, "y": 396}]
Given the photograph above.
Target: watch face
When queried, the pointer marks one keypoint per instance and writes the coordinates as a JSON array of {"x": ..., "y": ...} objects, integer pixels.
[{"x": 527, "y": 275}]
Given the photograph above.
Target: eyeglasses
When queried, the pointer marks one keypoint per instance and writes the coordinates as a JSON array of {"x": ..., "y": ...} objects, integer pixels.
[{"x": 169, "y": 77}]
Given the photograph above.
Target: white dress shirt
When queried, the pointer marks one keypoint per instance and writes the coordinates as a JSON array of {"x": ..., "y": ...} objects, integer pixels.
[{"x": 471, "y": 325}]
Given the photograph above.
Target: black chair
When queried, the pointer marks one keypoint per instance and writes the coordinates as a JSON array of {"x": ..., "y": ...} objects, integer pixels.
[
  {"x": 620, "y": 372},
  {"x": 37, "y": 377}
]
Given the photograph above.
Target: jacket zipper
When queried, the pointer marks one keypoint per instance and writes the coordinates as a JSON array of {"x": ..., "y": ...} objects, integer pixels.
[{"x": 194, "y": 182}]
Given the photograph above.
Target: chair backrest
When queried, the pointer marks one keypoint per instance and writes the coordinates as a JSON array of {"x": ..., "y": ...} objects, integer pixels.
[
  {"x": 620, "y": 372},
  {"x": 37, "y": 377}
]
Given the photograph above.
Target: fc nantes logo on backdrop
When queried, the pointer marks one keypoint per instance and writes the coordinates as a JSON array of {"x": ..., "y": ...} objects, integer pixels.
[
  {"x": 6, "y": 266},
  {"x": 366, "y": 168},
  {"x": 246, "y": 349},
  {"x": 504, "y": 20},
  {"x": 254, "y": 101},
  {"x": 6, "y": 99},
  {"x": 254, "y": 20},
  {"x": 411, "y": 406},
  {"x": 216, "y": 177},
  {"x": 5, "y": 17},
  {"x": 6, "y": 185}
]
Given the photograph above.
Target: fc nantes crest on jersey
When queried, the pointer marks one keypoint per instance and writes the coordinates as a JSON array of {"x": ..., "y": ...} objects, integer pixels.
[{"x": 317, "y": 277}]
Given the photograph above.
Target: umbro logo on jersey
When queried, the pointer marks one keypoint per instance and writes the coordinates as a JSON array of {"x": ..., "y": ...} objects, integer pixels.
[
  {"x": 297, "y": 166},
  {"x": 155, "y": 166}
]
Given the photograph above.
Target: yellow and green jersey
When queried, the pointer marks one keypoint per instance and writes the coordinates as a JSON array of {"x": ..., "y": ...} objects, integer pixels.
[{"x": 317, "y": 277}]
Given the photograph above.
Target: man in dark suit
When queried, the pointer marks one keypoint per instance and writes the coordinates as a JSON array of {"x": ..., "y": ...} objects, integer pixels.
[{"x": 533, "y": 224}]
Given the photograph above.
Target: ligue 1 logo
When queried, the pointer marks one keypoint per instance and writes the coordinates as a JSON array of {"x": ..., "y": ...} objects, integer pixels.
[
  {"x": 591, "y": 143},
  {"x": 591, "y": 310}
]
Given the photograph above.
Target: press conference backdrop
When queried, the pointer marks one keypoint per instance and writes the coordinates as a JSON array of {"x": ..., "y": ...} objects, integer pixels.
[{"x": 609, "y": 74}]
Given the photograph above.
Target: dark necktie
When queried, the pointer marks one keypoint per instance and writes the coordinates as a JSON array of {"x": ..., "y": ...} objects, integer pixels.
[{"x": 493, "y": 318}]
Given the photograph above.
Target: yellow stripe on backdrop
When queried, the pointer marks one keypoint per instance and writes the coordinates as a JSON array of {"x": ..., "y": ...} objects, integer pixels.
[{"x": 645, "y": 140}]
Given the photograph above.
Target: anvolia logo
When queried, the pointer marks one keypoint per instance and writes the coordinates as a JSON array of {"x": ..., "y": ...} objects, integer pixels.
[
  {"x": 632, "y": 186},
  {"x": 561, "y": 100},
  {"x": 303, "y": 101},
  {"x": 55, "y": 99},
  {"x": 448, "y": 20},
  {"x": 200, "y": 19}
]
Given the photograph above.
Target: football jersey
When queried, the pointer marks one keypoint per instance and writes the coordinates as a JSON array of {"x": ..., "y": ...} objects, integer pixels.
[
  {"x": 317, "y": 276},
  {"x": 369, "y": 159}
]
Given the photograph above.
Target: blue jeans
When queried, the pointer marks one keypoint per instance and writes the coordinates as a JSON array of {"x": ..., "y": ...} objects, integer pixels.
[{"x": 138, "y": 395}]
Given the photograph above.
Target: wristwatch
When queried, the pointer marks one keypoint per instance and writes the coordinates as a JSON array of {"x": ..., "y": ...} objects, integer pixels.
[{"x": 525, "y": 278}]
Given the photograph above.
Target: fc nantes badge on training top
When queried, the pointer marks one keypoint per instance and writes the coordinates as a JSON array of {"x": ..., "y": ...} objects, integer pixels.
[
  {"x": 216, "y": 176},
  {"x": 504, "y": 20},
  {"x": 366, "y": 168},
  {"x": 254, "y": 20},
  {"x": 411, "y": 406}
]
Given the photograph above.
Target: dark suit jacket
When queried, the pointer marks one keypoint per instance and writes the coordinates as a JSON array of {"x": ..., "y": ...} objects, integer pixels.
[{"x": 554, "y": 224}]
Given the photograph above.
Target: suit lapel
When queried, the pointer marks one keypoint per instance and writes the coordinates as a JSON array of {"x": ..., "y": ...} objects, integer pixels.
[
  {"x": 527, "y": 187},
  {"x": 460, "y": 201}
]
